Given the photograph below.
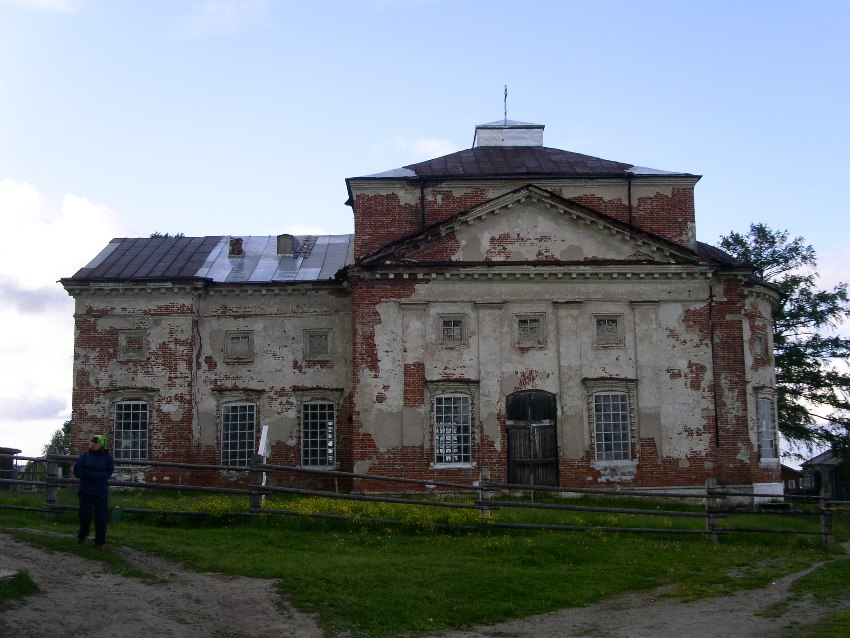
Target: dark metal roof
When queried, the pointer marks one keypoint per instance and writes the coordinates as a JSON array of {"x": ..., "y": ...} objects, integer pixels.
[
  {"x": 149, "y": 258},
  {"x": 162, "y": 258},
  {"x": 829, "y": 458},
  {"x": 717, "y": 254},
  {"x": 514, "y": 161}
]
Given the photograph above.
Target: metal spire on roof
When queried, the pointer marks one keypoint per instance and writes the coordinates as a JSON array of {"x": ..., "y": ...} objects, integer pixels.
[{"x": 506, "y": 105}]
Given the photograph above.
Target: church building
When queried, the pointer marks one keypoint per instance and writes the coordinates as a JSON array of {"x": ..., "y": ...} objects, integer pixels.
[{"x": 540, "y": 315}]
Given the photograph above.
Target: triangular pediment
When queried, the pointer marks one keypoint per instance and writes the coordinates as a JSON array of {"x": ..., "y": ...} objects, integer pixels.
[{"x": 532, "y": 225}]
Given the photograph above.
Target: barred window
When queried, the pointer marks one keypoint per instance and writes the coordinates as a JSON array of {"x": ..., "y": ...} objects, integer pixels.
[
  {"x": 452, "y": 429},
  {"x": 767, "y": 430},
  {"x": 130, "y": 431},
  {"x": 239, "y": 346},
  {"x": 609, "y": 331},
  {"x": 453, "y": 330},
  {"x": 238, "y": 426},
  {"x": 611, "y": 419},
  {"x": 529, "y": 331},
  {"x": 318, "y": 434}
]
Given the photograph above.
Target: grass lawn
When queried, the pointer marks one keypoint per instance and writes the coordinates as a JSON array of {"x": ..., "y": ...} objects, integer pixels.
[{"x": 378, "y": 580}]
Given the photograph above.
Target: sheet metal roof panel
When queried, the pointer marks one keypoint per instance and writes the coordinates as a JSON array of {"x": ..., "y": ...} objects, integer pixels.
[
  {"x": 208, "y": 257},
  {"x": 518, "y": 160},
  {"x": 287, "y": 268},
  {"x": 147, "y": 258},
  {"x": 211, "y": 257},
  {"x": 102, "y": 255},
  {"x": 307, "y": 274}
]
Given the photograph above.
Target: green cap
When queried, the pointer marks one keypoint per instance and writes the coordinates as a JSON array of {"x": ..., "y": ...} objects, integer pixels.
[{"x": 102, "y": 438}]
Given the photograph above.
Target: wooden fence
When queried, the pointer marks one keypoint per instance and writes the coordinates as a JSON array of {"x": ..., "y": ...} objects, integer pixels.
[{"x": 488, "y": 497}]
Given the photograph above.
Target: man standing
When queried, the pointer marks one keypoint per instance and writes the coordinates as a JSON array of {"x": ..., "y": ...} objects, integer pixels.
[{"x": 93, "y": 468}]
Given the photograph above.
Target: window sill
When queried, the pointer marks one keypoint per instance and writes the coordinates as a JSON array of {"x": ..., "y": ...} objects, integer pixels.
[
  {"x": 451, "y": 466},
  {"x": 615, "y": 471},
  {"x": 769, "y": 464}
]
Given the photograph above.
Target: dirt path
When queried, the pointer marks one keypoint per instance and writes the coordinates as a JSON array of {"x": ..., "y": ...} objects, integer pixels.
[
  {"x": 84, "y": 599},
  {"x": 641, "y": 616},
  {"x": 647, "y": 616}
]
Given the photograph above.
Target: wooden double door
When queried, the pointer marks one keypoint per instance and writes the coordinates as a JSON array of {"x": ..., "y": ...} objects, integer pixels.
[{"x": 532, "y": 437}]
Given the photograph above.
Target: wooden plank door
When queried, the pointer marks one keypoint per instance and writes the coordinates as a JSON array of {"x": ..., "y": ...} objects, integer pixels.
[{"x": 532, "y": 438}]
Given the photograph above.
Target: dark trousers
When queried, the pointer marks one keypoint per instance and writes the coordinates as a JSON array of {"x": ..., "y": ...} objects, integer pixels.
[{"x": 91, "y": 505}]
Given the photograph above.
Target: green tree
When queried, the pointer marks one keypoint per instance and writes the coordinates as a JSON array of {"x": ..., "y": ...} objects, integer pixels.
[
  {"x": 812, "y": 359},
  {"x": 61, "y": 440},
  {"x": 156, "y": 233}
]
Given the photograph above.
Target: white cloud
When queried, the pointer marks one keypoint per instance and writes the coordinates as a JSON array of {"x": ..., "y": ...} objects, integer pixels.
[
  {"x": 64, "y": 6},
  {"x": 222, "y": 16},
  {"x": 42, "y": 242}
]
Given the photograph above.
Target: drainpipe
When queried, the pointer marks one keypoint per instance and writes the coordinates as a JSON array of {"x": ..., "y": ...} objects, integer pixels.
[
  {"x": 714, "y": 367},
  {"x": 629, "y": 180}
]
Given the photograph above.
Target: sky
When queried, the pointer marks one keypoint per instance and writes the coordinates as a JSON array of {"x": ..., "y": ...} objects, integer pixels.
[{"x": 207, "y": 117}]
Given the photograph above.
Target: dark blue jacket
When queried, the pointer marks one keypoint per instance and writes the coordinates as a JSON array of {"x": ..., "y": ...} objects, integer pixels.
[{"x": 94, "y": 469}]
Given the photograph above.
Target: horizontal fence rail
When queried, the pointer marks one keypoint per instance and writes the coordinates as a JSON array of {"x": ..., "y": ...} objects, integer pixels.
[{"x": 433, "y": 496}]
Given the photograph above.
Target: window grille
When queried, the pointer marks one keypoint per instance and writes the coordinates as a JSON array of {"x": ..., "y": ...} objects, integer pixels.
[
  {"x": 608, "y": 331},
  {"x": 130, "y": 435},
  {"x": 611, "y": 417},
  {"x": 529, "y": 331},
  {"x": 453, "y": 331},
  {"x": 318, "y": 434},
  {"x": 452, "y": 429},
  {"x": 238, "y": 425},
  {"x": 239, "y": 345}
]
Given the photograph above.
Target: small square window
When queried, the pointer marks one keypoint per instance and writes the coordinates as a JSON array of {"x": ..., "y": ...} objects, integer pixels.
[
  {"x": 609, "y": 330},
  {"x": 529, "y": 331},
  {"x": 453, "y": 330},
  {"x": 239, "y": 346},
  {"x": 317, "y": 344},
  {"x": 761, "y": 344},
  {"x": 131, "y": 345}
]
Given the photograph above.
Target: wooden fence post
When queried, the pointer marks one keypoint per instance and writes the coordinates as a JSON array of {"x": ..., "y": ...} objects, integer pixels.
[
  {"x": 51, "y": 477},
  {"x": 256, "y": 475},
  {"x": 825, "y": 522},
  {"x": 484, "y": 494},
  {"x": 712, "y": 520}
]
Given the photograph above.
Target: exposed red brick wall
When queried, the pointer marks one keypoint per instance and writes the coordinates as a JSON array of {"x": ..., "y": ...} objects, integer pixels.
[
  {"x": 670, "y": 216},
  {"x": 381, "y": 218}
]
